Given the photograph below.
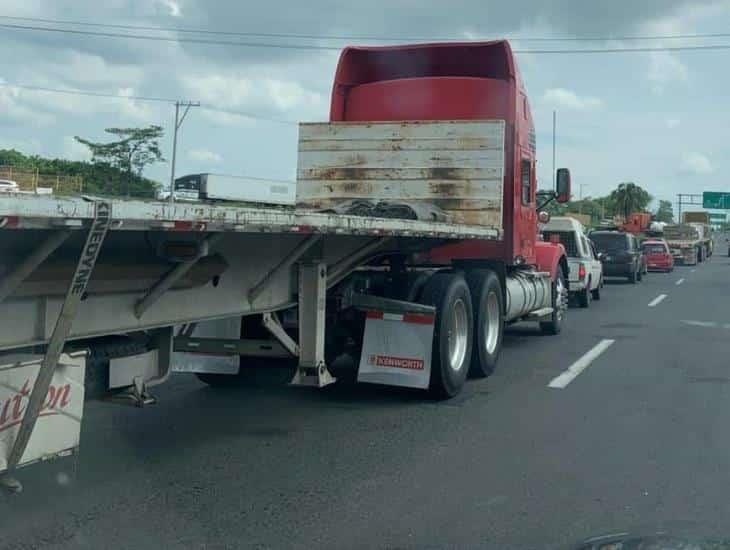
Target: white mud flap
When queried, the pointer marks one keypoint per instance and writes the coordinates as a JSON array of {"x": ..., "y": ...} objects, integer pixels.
[
  {"x": 58, "y": 428},
  {"x": 397, "y": 349}
]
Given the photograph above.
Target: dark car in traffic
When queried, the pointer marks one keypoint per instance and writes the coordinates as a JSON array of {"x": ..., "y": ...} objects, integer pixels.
[{"x": 620, "y": 254}]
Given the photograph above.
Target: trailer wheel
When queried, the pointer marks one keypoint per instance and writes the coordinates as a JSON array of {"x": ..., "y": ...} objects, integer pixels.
[
  {"x": 453, "y": 332},
  {"x": 559, "y": 304},
  {"x": 487, "y": 308}
]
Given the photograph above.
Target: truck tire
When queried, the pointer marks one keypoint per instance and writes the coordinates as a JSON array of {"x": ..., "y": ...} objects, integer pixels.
[
  {"x": 632, "y": 277},
  {"x": 640, "y": 274},
  {"x": 453, "y": 332},
  {"x": 488, "y": 310},
  {"x": 584, "y": 297},
  {"x": 559, "y": 304}
]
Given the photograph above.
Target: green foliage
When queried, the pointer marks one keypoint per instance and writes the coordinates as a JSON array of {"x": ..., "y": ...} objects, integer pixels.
[
  {"x": 665, "y": 212},
  {"x": 135, "y": 148},
  {"x": 629, "y": 197},
  {"x": 98, "y": 178},
  {"x": 625, "y": 199}
]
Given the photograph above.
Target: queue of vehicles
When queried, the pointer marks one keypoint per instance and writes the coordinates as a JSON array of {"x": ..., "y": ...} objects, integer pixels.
[{"x": 413, "y": 241}]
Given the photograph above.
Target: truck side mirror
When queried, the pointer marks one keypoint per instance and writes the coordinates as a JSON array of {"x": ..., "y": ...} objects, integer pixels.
[{"x": 562, "y": 192}]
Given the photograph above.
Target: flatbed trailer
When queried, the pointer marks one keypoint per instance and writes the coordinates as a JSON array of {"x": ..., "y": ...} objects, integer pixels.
[{"x": 107, "y": 296}]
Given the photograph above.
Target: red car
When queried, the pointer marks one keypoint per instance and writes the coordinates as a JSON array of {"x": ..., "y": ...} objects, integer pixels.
[{"x": 658, "y": 257}]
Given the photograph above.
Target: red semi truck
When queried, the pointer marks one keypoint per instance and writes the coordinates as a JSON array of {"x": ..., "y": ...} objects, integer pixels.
[{"x": 146, "y": 288}]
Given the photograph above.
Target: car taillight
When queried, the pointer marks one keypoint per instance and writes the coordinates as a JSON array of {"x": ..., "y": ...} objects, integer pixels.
[{"x": 581, "y": 271}]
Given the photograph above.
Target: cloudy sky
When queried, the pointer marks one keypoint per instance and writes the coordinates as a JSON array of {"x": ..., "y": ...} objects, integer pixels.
[{"x": 656, "y": 118}]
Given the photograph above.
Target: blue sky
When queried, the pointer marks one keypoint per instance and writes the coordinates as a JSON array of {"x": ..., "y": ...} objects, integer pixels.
[{"x": 656, "y": 118}]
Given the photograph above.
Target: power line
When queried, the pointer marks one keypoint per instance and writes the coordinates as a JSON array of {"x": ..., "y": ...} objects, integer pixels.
[
  {"x": 85, "y": 93},
  {"x": 337, "y": 48},
  {"x": 171, "y": 101},
  {"x": 359, "y": 37}
]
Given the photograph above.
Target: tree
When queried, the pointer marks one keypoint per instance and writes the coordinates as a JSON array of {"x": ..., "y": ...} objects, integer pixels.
[
  {"x": 665, "y": 212},
  {"x": 136, "y": 149},
  {"x": 629, "y": 197},
  {"x": 98, "y": 178}
]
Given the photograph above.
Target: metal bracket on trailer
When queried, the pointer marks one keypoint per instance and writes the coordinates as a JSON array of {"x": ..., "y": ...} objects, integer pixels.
[
  {"x": 138, "y": 393},
  {"x": 12, "y": 280},
  {"x": 312, "y": 370},
  {"x": 286, "y": 263},
  {"x": 172, "y": 276},
  {"x": 272, "y": 324},
  {"x": 74, "y": 295},
  {"x": 342, "y": 269}
]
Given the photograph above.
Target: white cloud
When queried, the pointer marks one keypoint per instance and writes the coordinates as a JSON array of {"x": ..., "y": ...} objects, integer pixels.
[
  {"x": 567, "y": 99},
  {"x": 270, "y": 94},
  {"x": 696, "y": 163},
  {"x": 173, "y": 7},
  {"x": 665, "y": 69},
  {"x": 672, "y": 123},
  {"x": 73, "y": 150},
  {"x": 14, "y": 108},
  {"x": 203, "y": 155}
]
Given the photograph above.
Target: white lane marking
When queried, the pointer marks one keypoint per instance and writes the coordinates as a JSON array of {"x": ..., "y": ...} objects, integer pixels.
[
  {"x": 656, "y": 301},
  {"x": 679, "y": 282},
  {"x": 562, "y": 380},
  {"x": 706, "y": 324},
  {"x": 692, "y": 270}
]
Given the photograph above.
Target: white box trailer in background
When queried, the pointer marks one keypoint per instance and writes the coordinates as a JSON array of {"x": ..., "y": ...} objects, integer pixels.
[
  {"x": 219, "y": 187},
  {"x": 136, "y": 283}
]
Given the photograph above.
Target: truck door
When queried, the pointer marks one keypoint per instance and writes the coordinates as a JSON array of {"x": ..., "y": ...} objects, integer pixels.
[{"x": 525, "y": 228}]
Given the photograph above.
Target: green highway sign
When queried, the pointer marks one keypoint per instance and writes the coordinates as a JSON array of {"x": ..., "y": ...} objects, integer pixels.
[
  {"x": 716, "y": 200},
  {"x": 718, "y": 217}
]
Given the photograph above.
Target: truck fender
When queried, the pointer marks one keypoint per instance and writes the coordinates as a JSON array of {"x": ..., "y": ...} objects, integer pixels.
[{"x": 550, "y": 257}]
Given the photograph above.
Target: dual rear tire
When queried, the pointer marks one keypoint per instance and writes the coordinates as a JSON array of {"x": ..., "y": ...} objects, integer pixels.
[{"x": 468, "y": 330}]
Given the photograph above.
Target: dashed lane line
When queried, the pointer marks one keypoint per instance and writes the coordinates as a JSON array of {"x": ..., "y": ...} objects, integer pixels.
[
  {"x": 562, "y": 380},
  {"x": 656, "y": 301},
  {"x": 679, "y": 282}
]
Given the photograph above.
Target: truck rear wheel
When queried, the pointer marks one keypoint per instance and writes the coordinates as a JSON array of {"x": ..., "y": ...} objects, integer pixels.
[
  {"x": 453, "y": 332},
  {"x": 559, "y": 305},
  {"x": 487, "y": 307}
]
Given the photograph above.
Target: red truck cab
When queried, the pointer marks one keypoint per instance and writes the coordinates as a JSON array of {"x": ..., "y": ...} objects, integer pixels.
[{"x": 456, "y": 81}]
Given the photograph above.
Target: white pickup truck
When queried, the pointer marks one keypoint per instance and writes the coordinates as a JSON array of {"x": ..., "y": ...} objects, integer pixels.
[{"x": 586, "y": 271}]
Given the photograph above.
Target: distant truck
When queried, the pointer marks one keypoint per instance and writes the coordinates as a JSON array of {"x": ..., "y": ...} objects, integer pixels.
[
  {"x": 218, "y": 187},
  {"x": 689, "y": 243},
  {"x": 696, "y": 217}
]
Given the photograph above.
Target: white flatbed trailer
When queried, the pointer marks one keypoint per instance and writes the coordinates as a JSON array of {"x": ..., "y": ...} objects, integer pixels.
[{"x": 79, "y": 273}]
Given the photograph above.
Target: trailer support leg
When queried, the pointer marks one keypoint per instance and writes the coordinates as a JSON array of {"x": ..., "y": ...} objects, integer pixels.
[
  {"x": 171, "y": 277},
  {"x": 74, "y": 295},
  {"x": 12, "y": 280},
  {"x": 312, "y": 370}
]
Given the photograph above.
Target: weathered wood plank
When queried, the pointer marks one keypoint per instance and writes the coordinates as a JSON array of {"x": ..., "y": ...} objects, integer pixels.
[
  {"x": 401, "y": 144},
  {"x": 399, "y": 174},
  {"x": 457, "y": 166},
  {"x": 400, "y": 159},
  {"x": 402, "y": 189},
  {"x": 450, "y": 129}
]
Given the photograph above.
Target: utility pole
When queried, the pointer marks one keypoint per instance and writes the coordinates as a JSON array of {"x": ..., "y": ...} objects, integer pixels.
[
  {"x": 581, "y": 186},
  {"x": 555, "y": 181},
  {"x": 178, "y": 122}
]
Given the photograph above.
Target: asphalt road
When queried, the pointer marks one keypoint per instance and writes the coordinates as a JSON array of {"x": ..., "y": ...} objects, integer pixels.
[{"x": 637, "y": 441}]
